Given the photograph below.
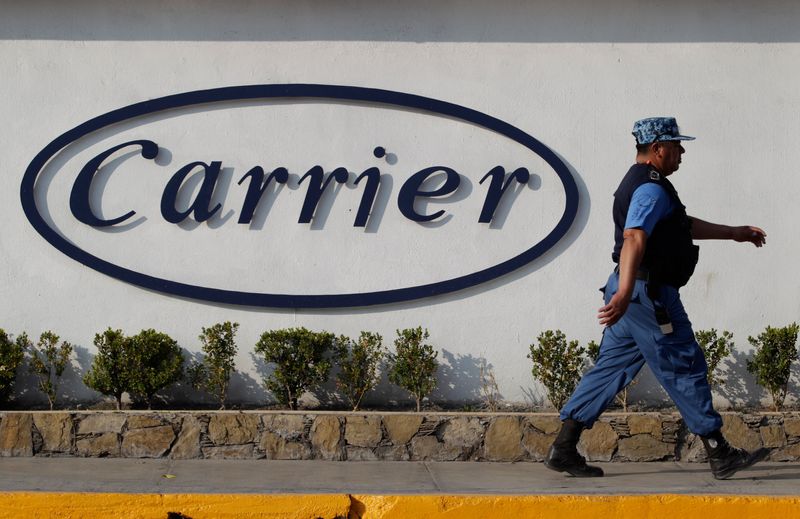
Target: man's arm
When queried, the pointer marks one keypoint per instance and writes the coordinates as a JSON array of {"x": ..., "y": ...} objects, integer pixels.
[
  {"x": 702, "y": 230},
  {"x": 630, "y": 257}
]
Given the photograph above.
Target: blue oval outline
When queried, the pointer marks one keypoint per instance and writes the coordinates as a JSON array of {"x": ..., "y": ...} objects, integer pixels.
[{"x": 298, "y": 91}]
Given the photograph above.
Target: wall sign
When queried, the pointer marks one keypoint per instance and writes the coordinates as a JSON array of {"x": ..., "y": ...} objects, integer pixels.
[{"x": 316, "y": 183}]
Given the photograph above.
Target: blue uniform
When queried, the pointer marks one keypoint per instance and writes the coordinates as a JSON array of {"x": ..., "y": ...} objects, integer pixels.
[{"x": 675, "y": 359}]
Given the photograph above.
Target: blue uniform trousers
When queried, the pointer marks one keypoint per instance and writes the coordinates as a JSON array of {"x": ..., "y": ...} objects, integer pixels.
[{"x": 675, "y": 359}]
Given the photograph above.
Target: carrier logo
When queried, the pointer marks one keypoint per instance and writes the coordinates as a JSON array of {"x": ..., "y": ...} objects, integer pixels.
[{"x": 258, "y": 183}]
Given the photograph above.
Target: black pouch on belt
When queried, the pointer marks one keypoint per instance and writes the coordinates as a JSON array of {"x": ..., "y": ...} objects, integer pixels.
[{"x": 662, "y": 316}]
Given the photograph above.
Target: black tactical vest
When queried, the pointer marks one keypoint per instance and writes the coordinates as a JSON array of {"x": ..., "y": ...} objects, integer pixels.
[{"x": 670, "y": 256}]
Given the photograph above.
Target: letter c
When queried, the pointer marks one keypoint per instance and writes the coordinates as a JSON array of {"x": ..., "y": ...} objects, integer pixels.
[{"x": 79, "y": 196}]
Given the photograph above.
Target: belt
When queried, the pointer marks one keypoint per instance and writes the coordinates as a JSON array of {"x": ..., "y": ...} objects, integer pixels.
[{"x": 642, "y": 274}]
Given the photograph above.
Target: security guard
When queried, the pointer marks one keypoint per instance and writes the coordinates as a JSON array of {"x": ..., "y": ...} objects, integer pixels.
[{"x": 644, "y": 318}]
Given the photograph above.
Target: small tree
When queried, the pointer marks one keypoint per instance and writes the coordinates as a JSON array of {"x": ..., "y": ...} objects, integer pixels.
[
  {"x": 301, "y": 358},
  {"x": 557, "y": 364},
  {"x": 413, "y": 365},
  {"x": 715, "y": 349},
  {"x": 156, "y": 362},
  {"x": 48, "y": 362},
  {"x": 593, "y": 352},
  {"x": 772, "y": 363},
  {"x": 12, "y": 353},
  {"x": 358, "y": 366},
  {"x": 109, "y": 373},
  {"x": 213, "y": 374}
]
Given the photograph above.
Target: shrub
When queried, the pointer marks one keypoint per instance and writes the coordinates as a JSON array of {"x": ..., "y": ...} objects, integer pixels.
[
  {"x": 593, "y": 352},
  {"x": 301, "y": 358},
  {"x": 358, "y": 365},
  {"x": 213, "y": 374},
  {"x": 772, "y": 362},
  {"x": 413, "y": 365},
  {"x": 715, "y": 349},
  {"x": 155, "y": 362},
  {"x": 557, "y": 364},
  {"x": 490, "y": 391},
  {"x": 12, "y": 352},
  {"x": 109, "y": 373},
  {"x": 48, "y": 362}
]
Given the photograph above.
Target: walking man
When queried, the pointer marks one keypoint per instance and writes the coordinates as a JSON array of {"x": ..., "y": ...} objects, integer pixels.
[{"x": 643, "y": 315}]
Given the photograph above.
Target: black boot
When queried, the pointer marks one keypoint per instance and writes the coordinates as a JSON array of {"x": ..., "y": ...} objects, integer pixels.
[
  {"x": 726, "y": 460},
  {"x": 563, "y": 454}
]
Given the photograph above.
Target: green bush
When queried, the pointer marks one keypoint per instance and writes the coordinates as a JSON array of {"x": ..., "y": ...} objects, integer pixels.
[
  {"x": 413, "y": 365},
  {"x": 48, "y": 362},
  {"x": 715, "y": 350},
  {"x": 593, "y": 352},
  {"x": 302, "y": 361},
  {"x": 155, "y": 362},
  {"x": 109, "y": 373},
  {"x": 772, "y": 363},
  {"x": 358, "y": 365},
  {"x": 12, "y": 353},
  {"x": 213, "y": 373},
  {"x": 557, "y": 364}
]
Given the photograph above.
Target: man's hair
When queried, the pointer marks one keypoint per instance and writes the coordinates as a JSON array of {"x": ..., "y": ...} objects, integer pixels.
[{"x": 642, "y": 149}]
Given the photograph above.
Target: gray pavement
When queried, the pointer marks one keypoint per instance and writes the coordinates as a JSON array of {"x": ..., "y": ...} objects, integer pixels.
[{"x": 381, "y": 478}]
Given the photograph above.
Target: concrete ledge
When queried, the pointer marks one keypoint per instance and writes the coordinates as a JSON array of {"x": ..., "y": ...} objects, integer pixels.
[
  {"x": 365, "y": 436},
  {"x": 331, "y": 506}
]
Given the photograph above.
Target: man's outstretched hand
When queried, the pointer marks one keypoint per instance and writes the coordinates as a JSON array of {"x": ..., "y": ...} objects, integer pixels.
[{"x": 748, "y": 233}]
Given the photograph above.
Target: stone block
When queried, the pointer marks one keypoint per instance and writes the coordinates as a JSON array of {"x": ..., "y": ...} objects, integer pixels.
[
  {"x": 503, "y": 441},
  {"x": 148, "y": 442},
  {"x": 786, "y": 453},
  {"x": 56, "y": 431},
  {"x": 695, "y": 451},
  {"x": 644, "y": 447},
  {"x": 276, "y": 447},
  {"x": 400, "y": 428},
  {"x": 792, "y": 427},
  {"x": 537, "y": 443},
  {"x": 229, "y": 452},
  {"x": 105, "y": 444},
  {"x": 289, "y": 426},
  {"x": 360, "y": 454},
  {"x": 739, "y": 434},
  {"x": 599, "y": 442},
  {"x": 16, "y": 435},
  {"x": 772, "y": 436},
  {"x": 392, "y": 453},
  {"x": 463, "y": 433},
  {"x": 545, "y": 424},
  {"x": 233, "y": 428},
  {"x": 187, "y": 446},
  {"x": 99, "y": 423},
  {"x": 363, "y": 431},
  {"x": 326, "y": 437},
  {"x": 141, "y": 421},
  {"x": 645, "y": 424},
  {"x": 425, "y": 448}
]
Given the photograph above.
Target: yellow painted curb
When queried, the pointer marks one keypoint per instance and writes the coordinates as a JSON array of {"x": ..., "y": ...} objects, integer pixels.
[{"x": 341, "y": 506}]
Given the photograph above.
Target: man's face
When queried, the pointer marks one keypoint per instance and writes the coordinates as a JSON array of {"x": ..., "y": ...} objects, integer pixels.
[{"x": 667, "y": 156}]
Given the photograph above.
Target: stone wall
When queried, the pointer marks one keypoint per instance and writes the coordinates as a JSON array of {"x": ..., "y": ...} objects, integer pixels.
[{"x": 374, "y": 436}]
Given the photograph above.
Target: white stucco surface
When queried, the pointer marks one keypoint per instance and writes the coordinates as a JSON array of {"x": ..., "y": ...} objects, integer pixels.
[{"x": 574, "y": 75}]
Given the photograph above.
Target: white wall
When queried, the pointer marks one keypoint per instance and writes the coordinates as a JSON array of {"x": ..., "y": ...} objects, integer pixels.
[{"x": 574, "y": 75}]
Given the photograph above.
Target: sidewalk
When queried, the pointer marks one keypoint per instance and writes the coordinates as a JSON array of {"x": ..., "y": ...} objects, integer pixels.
[{"x": 260, "y": 488}]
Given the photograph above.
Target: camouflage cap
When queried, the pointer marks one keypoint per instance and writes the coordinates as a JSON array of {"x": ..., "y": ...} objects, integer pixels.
[{"x": 655, "y": 129}]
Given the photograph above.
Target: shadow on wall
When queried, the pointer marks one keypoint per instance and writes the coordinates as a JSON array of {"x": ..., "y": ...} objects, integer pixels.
[
  {"x": 408, "y": 21},
  {"x": 740, "y": 388},
  {"x": 71, "y": 389},
  {"x": 459, "y": 379}
]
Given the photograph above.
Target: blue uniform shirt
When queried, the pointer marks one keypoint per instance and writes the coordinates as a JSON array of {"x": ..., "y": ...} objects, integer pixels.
[{"x": 649, "y": 204}]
